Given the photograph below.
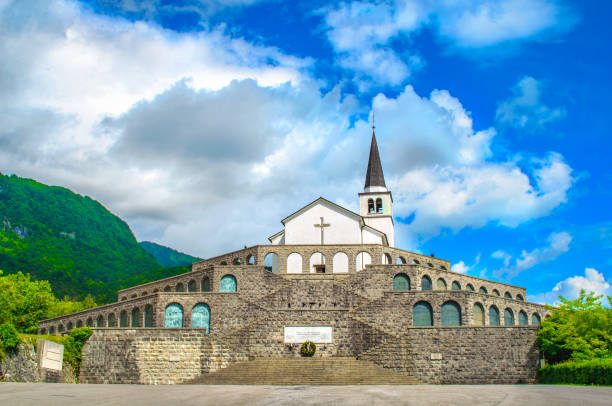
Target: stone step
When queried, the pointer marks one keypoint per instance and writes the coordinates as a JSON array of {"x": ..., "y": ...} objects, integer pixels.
[{"x": 305, "y": 371}]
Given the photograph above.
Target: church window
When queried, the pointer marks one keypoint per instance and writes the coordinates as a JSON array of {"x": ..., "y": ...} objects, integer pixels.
[
  {"x": 123, "y": 319},
  {"x": 180, "y": 287},
  {"x": 482, "y": 290},
  {"x": 167, "y": 289},
  {"x": 386, "y": 259},
  {"x": 401, "y": 282},
  {"x": 522, "y": 318},
  {"x": 455, "y": 286},
  {"x": 362, "y": 259},
  {"x": 520, "y": 297},
  {"x": 379, "y": 206},
  {"x": 371, "y": 208},
  {"x": 100, "y": 321},
  {"x": 535, "y": 319},
  {"x": 478, "y": 314},
  {"x": 425, "y": 283},
  {"x": 493, "y": 316},
  {"x": 148, "y": 316},
  {"x": 200, "y": 317},
  {"x": 228, "y": 284},
  {"x": 236, "y": 261},
  {"x": 469, "y": 287},
  {"x": 508, "y": 295},
  {"x": 136, "y": 317},
  {"x": 317, "y": 263},
  {"x": 400, "y": 261},
  {"x": 89, "y": 322},
  {"x": 271, "y": 263},
  {"x": 251, "y": 260},
  {"x": 112, "y": 322},
  {"x": 496, "y": 292},
  {"x": 340, "y": 261},
  {"x": 191, "y": 286},
  {"x": 451, "y": 314},
  {"x": 294, "y": 263},
  {"x": 79, "y": 323},
  {"x": 70, "y": 326},
  {"x": 422, "y": 314},
  {"x": 206, "y": 284},
  {"x": 508, "y": 317},
  {"x": 441, "y": 284},
  {"x": 173, "y": 316}
]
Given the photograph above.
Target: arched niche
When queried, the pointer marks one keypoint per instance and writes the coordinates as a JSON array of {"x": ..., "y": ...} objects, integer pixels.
[
  {"x": 451, "y": 314},
  {"x": 401, "y": 282},
  {"x": 228, "y": 284},
  {"x": 422, "y": 314},
  {"x": 478, "y": 313},
  {"x": 340, "y": 263},
  {"x": 317, "y": 263},
  {"x": 361, "y": 260},
  {"x": 200, "y": 316},
  {"x": 173, "y": 316},
  {"x": 294, "y": 263}
]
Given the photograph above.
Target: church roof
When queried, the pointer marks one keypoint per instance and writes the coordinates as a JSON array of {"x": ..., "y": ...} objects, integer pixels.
[{"x": 374, "y": 174}]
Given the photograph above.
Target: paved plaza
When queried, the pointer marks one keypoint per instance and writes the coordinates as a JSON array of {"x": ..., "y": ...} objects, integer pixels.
[{"x": 23, "y": 394}]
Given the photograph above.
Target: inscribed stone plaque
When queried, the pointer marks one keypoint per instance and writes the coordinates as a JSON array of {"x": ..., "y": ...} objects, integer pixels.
[
  {"x": 52, "y": 355},
  {"x": 316, "y": 334},
  {"x": 436, "y": 356}
]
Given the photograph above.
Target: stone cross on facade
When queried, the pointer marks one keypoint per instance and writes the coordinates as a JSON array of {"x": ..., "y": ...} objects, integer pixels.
[{"x": 322, "y": 226}]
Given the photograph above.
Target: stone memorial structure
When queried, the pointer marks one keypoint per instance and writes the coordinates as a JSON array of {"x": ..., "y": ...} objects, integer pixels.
[{"x": 331, "y": 276}]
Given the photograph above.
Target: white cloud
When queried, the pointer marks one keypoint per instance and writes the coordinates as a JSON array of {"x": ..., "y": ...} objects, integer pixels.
[
  {"x": 592, "y": 281},
  {"x": 526, "y": 110},
  {"x": 462, "y": 267},
  {"x": 558, "y": 244}
]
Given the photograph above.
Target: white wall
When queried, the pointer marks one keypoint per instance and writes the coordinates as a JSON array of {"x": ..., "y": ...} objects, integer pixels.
[
  {"x": 294, "y": 263},
  {"x": 340, "y": 263},
  {"x": 343, "y": 229},
  {"x": 384, "y": 224}
]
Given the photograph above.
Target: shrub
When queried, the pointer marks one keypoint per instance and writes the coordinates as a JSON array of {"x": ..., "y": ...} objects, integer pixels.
[
  {"x": 9, "y": 338},
  {"x": 308, "y": 349},
  {"x": 591, "y": 372},
  {"x": 73, "y": 346}
]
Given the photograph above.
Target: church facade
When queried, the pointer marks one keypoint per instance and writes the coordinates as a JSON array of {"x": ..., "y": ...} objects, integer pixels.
[{"x": 332, "y": 276}]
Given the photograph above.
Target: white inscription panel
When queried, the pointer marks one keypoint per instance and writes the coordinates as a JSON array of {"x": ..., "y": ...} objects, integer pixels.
[
  {"x": 317, "y": 335},
  {"x": 52, "y": 355}
]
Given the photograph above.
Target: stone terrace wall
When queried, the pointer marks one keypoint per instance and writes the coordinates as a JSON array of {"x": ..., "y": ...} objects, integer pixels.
[
  {"x": 152, "y": 356},
  {"x": 469, "y": 355}
]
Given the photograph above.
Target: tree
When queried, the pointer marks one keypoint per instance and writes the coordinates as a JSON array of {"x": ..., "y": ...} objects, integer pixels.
[{"x": 578, "y": 329}]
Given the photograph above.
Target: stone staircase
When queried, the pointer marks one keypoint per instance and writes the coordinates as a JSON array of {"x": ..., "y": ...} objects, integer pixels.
[{"x": 305, "y": 371}]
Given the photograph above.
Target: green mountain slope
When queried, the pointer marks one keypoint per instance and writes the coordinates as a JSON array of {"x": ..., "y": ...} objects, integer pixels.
[
  {"x": 70, "y": 240},
  {"x": 166, "y": 256}
]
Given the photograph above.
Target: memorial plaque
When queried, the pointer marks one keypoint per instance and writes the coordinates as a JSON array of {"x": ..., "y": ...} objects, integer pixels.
[
  {"x": 436, "y": 356},
  {"x": 52, "y": 355},
  {"x": 316, "y": 334}
]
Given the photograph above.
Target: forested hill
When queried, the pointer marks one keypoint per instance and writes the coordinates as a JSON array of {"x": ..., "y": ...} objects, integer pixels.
[
  {"x": 70, "y": 240},
  {"x": 166, "y": 256}
]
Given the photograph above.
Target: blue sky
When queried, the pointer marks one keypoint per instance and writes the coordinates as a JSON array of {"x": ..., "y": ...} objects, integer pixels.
[{"x": 204, "y": 122}]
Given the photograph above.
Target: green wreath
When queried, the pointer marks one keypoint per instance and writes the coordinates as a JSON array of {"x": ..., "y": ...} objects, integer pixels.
[{"x": 308, "y": 349}]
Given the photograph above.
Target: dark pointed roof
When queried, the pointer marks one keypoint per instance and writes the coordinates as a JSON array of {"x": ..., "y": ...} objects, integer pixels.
[{"x": 374, "y": 174}]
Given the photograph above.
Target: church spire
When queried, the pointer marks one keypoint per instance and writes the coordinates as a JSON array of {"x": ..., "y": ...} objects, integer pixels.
[{"x": 374, "y": 174}]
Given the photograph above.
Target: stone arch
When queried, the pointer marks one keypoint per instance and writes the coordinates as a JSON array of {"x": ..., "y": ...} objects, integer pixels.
[
  {"x": 134, "y": 296},
  {"x": 340, "y": 263},
  {"x": 294, "y": 263},
  {"x": 136, "y": 317},
  {"x": 223, "y": 263},
  {"x": 148, "y": 316},
  {"x": 508, "y": 295},
  {"x": 200, "y": 316},
  {"x": 155, "y": 290},
  {"x": 112, "y": 321},
  {"x": 523, "y": 319},
  {"x": 469, "y": 287},
  {"x": 483, "y": 290},
  {"x": 451, "y": 314},
  {"x": 496, "y": 292},
  {"x": 100, "y": 321},
  {"x": 167, "y": 289},
  {"x": 379, "y": 206},
  {"x": 422, "y": 314},
  {"x": 478, "y": 314},
  {"x": 371, "y": 207},
  {"x": 442, "y": 267},
  {"x": 401, "y": 281},
  {"x": 386, "y": 259},
  {"x": 79, "y": 323},
  {"x": 51, "y": 330},
  {"x": 124, "y": 298},
  {"x": 228, "y": 284},
  {"x": 271, "y": 262},
  {"x": 316, "y": 259},
  {"x": 180, "y": 287},
  {"x": 426, "y": 283},
  {"x": 60, "y": 328},
  {"x": 192, "y": 286},
  {"x": 89, "y": 322},
  {"x": 520, "y": 297},
  {"x": 236, "y": 261},
  {"x": 361, "y": 260},
  {"x": 493, "y": 316},
  {"x": 416, "y": 262},
  {"x": 441, "y": 284},
  {"x": 70, "y": 326},
  {"x": 455, "y": 285},
  {"x": 250, "y": 259},
  {"x": 535, "y": 319},
  {"x": 123, "y": 319},
  {"x": 43, "y": 331},
  {"x": 173, "y": 316},
  {"x": 508, "y": 317},
  {"x": 206, "y": 284},
  {"x": 400, "y": 260},
  {"x": 144, "y": 293},
  {"x": 430, "y": 265}
]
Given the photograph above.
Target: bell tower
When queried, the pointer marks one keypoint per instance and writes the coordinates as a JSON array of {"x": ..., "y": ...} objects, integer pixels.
[{"x": 376, "y": 202}]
